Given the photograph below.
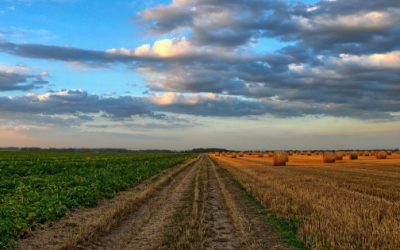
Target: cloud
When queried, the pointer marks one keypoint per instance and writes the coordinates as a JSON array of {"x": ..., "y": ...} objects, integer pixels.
[
  {"x": 386, "y": 61},
  {"x": 340, "y": 58},
  {"x": 161, "y": 48},
  {"x": 19, "y": 78}
]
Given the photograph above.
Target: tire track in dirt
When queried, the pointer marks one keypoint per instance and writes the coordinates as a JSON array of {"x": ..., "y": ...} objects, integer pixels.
[
  {"x": 189, "y": 229},
  {"x": 224, "y": 234},
  {"x": 143, "y": 230},
  {"x": 255, "y": 231}
]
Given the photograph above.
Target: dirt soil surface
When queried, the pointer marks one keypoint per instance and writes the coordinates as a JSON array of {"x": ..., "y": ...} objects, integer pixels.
[{"x": 193, "y": 206}]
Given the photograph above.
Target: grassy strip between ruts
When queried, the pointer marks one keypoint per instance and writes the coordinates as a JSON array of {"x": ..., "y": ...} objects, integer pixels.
[
  {"x": 285, "y": 228},
  {"x": 189, "y": 230}
]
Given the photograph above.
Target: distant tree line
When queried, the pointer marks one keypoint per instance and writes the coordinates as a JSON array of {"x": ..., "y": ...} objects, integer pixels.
[
  {"x": 94, "y": 150},
  {"x": 113, "y": 150},
  {"x": 124, "y": 150}
]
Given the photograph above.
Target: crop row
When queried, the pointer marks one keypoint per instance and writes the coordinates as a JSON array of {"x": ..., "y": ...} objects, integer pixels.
[{"x": 36, "y": 187}]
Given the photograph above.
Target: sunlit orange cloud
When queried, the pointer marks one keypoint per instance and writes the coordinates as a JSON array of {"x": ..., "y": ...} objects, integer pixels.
[
  {"x": 170, "y": 98},
  {"x": 167, "y": 98},
  {"x": 388, "y": 60},
  {"x": 161, "y": 48},
  {"x": 47, "y": 95}
]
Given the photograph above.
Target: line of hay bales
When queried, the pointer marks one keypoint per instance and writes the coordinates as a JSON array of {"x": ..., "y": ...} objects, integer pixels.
[{"x": 279, "y": 158}]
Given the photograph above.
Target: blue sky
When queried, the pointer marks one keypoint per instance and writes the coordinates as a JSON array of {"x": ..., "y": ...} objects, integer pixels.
[{"x": 182, "y": 74}]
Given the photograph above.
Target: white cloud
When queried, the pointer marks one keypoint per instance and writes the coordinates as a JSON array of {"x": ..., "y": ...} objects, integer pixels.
[
  {"x": 312, "y": 8},
  {"x": 161, "y": 48},
  {"x": 47, "y": 95},
  {"x": 298, "y": 68},
  {"x": 79, "y": 66},
  {"x": 170, "y": 98},
  {"x": 387, "y": 61},
  {"x": 356, "y": 21},
  {"x": 14, "y": 69}
]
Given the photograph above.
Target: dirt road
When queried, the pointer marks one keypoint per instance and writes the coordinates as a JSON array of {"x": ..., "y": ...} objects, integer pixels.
[{"x": 197, "y": 207}]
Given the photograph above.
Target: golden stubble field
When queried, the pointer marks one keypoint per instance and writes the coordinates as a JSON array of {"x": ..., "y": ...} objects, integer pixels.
[{"x": 349, "y": 204}]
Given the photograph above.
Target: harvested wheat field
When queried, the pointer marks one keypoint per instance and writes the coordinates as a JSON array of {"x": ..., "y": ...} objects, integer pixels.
[
  {"x": 218, "y": 201},
  {"x": 349, "y": 204},
  {"x": 194, "y": 205}
]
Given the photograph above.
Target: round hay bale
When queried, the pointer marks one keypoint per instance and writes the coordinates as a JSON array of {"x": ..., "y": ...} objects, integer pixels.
[
  {"x": 372, "y": 153},
  {"x": 381, "y": 155},
  {"x": 260, "y": 155},
  {"x": 353, "y": 156},
  {"x": 217, "y": 154},
  {"x": 240, "y": 154},
  {"x": 302, "y": 153},
  {"x": 328, "y": 157},
  {"x": 290, "y": 153},
  {"x": 389, "y": 152},
  {"x": 366, "y": 153},
  {"x": 233, "y": 155},
  {"x": 338, "y": 156},
  {"x": 279, "y": 158},
  {"x": 270, "y": 154},
  {"x": 308, "y": 153}
]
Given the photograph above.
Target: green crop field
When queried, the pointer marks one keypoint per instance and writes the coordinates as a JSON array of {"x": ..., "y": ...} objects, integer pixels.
[{"x": 36, "y": 187}]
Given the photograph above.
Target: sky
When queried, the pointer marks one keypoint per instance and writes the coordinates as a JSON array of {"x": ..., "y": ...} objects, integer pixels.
[{"x": 182, "y": 74}]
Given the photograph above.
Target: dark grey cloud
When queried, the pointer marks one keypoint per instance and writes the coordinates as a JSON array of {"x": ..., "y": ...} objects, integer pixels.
[
  {"x": 55, "y": 52},
  {"x": 78, "y": 109},
  {"x": 164, "y": 19},
  {"x": 10, "y": 81},
  {"x": 211, "y": 22},
  {"x": 327, "y": 69},
  {"x": 76, "y": 102},
  {"x": 311, "y": 71}
]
